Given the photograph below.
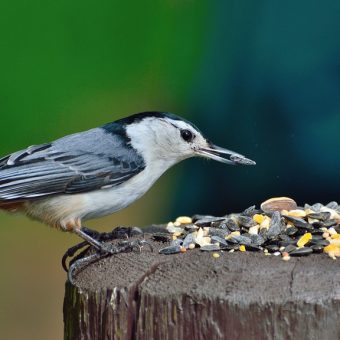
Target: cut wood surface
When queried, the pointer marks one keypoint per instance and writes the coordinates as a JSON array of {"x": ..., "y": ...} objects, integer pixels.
[{"x": 196, "y": 296}]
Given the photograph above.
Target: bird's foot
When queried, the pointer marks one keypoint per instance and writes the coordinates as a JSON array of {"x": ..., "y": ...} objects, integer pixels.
[
  {"x": 72, "y": 251},
  {"x": 107, "y": 249},
  {"x": 98, "y": 241},
  {"x": 92, "y": 236}
]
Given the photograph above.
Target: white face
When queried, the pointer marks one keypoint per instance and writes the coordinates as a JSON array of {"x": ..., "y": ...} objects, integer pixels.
[{"x": 167, "y": 141}]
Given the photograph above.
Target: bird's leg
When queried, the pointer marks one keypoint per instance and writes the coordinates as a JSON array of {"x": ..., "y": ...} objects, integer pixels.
[
  {"x": 123, "y": 246},
  {"x": 71, "y": 252},
  {"x": 116, "y": 233},
  {"x": 75, "y": 265},
  {"x": 96, "y": 239},
  {"x": 110, "y": 248}
]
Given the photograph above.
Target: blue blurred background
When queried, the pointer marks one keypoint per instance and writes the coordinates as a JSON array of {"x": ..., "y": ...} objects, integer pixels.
[{"x": 261, "y": 78}]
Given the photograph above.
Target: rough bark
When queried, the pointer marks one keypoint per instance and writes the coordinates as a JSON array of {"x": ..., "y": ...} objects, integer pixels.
[{"x": 196, "y": 296}]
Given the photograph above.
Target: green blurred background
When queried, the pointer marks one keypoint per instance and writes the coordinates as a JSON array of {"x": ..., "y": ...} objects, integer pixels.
[{"x": 261, "y": 78}]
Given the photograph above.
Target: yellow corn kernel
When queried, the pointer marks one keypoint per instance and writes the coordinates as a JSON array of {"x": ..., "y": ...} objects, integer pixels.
[
  {"x": 332, "y": 250},
  {"x": 335, "y": 236},
  {"x": 304, "y": 239},
  {"x": 216, "y": 255},
  {"x": 331, "y": 247},
  {"x": 184, "y": 219},
  {"x": 242, "y": 247},
  {"x": 258, "y": 218}
]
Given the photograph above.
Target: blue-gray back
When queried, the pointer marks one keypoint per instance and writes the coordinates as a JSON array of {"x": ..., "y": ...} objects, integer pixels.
[{"x": 90, "y": 160}]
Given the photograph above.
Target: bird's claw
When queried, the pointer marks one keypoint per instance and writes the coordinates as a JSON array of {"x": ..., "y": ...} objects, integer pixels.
[
  {"x": 77, "y": 264},
  {"x": 140, "y": 245},
  {"x": 116, "y": 233},
  {"x": 71, "y": 252},
  {"x": 126, "y": 246},
  {"x": 102, "y": 248}
]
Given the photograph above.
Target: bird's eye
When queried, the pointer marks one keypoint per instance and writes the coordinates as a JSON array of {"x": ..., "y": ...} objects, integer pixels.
[{"x": 187, "y": 135}]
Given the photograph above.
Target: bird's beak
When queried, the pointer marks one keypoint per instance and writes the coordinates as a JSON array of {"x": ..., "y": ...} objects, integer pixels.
[{"x": 223, "y": 155}]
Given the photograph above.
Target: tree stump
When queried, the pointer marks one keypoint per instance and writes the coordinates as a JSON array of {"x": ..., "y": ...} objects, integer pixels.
[{"x": 196, "y": 296}]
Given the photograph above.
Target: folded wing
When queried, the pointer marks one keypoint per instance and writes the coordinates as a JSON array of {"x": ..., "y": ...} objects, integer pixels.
[{"x": 74, "y": 164}]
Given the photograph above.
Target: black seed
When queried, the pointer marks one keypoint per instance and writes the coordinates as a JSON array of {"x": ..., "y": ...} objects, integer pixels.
[
  {"x": 286, "y": 243},
  {"x": 218, "y": 232},
  {"x": 246, "y": 221},
  {"x": 318, "y": 224},
  {"x": 316, "y": 237},
  {"x": 286, "y": 238},
  {"x": 232, "y": 225},
  {"x": 301, "y": 251},
  {"x": 329, "y": 223},
  {"x": 206, "y": 222},
  {"x": 251, "y": 211},
  {"x": 290, "y": 248},
  {"x": 242, "y": 239},
  {"x": 190, "y": 227},
  {"x": 232, "y": 241},
  {"x": 200, "y": 217},
  {"x": 223, "y": 226},
  {"x": 275, "y": 225},
  {"x": 317, "y": 248},
  {"x": 322, "y": 216},
  {"x": 322, "y": 242},
  {"x": 257, "y": 240},
  {"x": 219, "y": 240},
  {"x": 298, "y": 222},
  {"x": 217, "y": 224},
  {"x": 253, "y": 247},
  {"x": 188, "y": 240},
  {"x": 291, "y": 231},
  {"x": 306, "y": 226},
  {"x": 263, "y": 232},
  {"x": 229, "y": 246},
  {"x": 315, "y": 231},
  {"x": 170, "y": 250},
  {"x": 272, "y": 248},
  {"x": 161, "y": 237},
  {"x": 210, "y": 247}
]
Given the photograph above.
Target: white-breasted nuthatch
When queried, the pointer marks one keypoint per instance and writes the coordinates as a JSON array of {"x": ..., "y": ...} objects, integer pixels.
[{"x": 100, "y": 171}]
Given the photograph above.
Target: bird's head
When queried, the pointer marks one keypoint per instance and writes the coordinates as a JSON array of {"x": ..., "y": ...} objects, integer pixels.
[{"x": 165, "y": 137}]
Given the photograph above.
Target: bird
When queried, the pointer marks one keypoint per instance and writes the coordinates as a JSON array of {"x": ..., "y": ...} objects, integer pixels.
[{"x": 100, "y": 171}]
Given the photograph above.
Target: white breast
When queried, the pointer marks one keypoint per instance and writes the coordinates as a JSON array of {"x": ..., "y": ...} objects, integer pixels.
[
  {"x": 106, "y": 201},
  {"x": 59, "y": 210}
]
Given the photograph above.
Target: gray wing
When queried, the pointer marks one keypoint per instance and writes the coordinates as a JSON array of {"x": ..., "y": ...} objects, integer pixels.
[{"x": 78, "y": 163}]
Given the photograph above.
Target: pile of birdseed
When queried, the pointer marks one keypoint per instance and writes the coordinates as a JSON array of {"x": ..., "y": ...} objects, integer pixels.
[{"x": 279, "y": 228}]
